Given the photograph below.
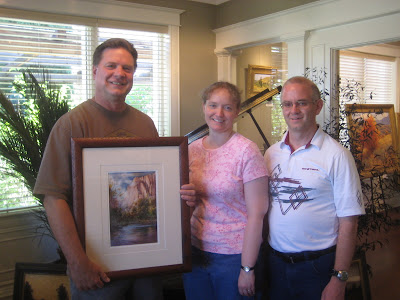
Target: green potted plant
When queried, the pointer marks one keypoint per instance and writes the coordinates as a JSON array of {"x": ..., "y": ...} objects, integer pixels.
[{"x": 24, "y": 130}]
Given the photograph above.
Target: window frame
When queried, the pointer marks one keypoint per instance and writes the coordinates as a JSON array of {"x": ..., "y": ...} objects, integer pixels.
[
  {"x": 115, "y": 15},
  {"x": 93, "y": 12}
]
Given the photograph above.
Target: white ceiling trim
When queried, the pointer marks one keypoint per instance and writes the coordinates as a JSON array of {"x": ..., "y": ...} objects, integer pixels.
[{"x": 107, "y": 9}]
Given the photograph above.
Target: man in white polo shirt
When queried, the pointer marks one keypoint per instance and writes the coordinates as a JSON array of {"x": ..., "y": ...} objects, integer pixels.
[{"x": 315, "y": 200}]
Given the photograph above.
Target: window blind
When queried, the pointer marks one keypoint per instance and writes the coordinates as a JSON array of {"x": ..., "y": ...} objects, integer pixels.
[
  {"x": 372, "y": 72},
  {"x": 65, "y": 51}
]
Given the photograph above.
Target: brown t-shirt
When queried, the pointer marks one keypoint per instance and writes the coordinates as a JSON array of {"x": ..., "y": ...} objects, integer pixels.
[{"x": 87, "y": 120}]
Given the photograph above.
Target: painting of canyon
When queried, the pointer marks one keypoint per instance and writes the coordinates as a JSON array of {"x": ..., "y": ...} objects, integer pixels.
[{"x": 133, "y": 208}]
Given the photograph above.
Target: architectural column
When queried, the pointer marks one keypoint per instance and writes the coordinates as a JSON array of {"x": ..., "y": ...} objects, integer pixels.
[
  {"x": 296, "y": 52},
  {"x": 227, "y": 65}
]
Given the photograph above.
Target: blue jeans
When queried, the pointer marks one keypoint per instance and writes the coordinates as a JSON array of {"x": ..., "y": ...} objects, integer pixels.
[
  {"x": 148, "y": 288},
  {"x": 213, "y": 277},
  {"x": 302, "y": 280}
]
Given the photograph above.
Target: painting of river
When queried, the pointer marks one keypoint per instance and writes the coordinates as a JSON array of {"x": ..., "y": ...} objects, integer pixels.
[{"x": 133, "y": 208}]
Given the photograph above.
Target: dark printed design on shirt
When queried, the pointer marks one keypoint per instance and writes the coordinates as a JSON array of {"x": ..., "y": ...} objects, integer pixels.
[{"x": 288, "y": 192}]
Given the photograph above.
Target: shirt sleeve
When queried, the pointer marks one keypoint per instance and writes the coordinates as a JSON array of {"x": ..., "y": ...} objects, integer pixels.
[
  {"x": 347, "y": 187},
  {"x": 253, "y": 163},
  {"x": 56, "y": 181}
]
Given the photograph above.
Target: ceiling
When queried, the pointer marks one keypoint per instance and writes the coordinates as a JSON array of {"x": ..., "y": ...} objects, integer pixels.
[{"x": 215, "y": 2}]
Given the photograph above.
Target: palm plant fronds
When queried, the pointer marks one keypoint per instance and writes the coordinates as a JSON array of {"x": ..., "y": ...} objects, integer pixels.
[{"x": 24, "y": 131}]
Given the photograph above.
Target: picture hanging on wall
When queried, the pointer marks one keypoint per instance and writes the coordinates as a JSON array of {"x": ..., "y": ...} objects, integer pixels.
[
  {"x": 258, "y": 79},
  {"x": 372, "y": 128}
]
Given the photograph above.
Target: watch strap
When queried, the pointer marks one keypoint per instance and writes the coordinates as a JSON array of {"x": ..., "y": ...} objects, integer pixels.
[
  {"x": 341, "y": 275},
  {"x": 247, "y": 268}
]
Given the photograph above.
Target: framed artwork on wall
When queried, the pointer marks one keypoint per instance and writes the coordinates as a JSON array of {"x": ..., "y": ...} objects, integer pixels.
[
  {"x": 41, "y": 281},
  {"x": 373, "y": 133},
  {"x": 127, "y": 207},
  {"x": 258, "y": 79}
]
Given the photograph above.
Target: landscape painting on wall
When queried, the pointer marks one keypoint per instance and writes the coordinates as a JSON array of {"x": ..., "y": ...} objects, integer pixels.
[
  {"x": 133, "y": 208},
  {"x": 258, "y": 79},
  {"x": 372, "y": 128}
]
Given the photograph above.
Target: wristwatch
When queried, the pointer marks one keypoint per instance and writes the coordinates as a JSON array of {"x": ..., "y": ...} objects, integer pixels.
[
  {"x": 247, "y": 269},
  {"x": 341, "y": 275}
]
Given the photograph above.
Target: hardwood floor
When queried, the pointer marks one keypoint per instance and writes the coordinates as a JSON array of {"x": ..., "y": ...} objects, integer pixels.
[{"x": 385, "y": 266}]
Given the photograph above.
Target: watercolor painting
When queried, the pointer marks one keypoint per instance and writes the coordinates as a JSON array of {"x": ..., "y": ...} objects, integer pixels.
[
  {"x": 373, "y": 130},
  {"x": 133, "y": 208}
]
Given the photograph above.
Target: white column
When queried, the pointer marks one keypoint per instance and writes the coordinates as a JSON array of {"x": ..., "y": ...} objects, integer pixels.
[
  {"x": 296, "y": 52},
  {"x": 227, "y": 65}
]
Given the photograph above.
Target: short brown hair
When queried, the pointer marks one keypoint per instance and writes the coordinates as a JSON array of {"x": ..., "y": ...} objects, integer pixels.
[
  {"x": 231, "y": 88},
  {"x": 114, "y": 43}
]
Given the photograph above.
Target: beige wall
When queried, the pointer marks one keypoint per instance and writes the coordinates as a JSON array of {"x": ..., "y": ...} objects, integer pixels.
[
  {"x": 236, "y": 11},
  {"x": 198, "y": 63}
]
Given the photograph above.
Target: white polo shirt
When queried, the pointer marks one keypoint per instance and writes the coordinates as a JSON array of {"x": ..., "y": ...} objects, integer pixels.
[{"x": 310, "y": 188}]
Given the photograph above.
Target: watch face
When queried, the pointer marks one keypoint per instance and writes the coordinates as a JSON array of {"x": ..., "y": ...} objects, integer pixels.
[
  {"x": 246, "y": 269},
  {"x": 343, "y": 275}
]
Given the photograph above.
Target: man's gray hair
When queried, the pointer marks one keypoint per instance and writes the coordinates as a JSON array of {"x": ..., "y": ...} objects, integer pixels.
[{"x": 315, "y": 93}]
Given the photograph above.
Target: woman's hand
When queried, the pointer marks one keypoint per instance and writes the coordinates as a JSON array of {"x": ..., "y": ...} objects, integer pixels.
[
  {"x": 188, "y": 194},
  {"x": 246, "y": 283}
]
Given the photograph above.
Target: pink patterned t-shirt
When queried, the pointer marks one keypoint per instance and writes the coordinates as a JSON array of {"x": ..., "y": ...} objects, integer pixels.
[{"x": 219, "y": 175}]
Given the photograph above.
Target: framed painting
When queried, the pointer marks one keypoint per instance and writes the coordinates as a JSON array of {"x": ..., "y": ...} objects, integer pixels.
[
  {"x": 398, "y": 127},
  {"x": 373, "y": 133},
  {"x": 357, "y": 286},
  {"x": 41, "y": 281},
  {"x": 258, "y": 79},
  {"x": 127, "y": 207}
]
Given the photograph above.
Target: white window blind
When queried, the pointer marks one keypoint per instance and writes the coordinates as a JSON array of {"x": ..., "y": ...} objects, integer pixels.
[
  {"x": 65, "y": 51},
  {"x": 372, "y": 72},
  {"x": 151, "y": 84}
]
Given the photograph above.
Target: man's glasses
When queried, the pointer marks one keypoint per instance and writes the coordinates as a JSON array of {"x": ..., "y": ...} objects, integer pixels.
[{"x": 298, "y": 104}]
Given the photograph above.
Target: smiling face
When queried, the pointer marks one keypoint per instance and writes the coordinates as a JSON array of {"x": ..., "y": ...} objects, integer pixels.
[
  {"x": 113, "y": 77},
  {"x": 301, "y": 116},
  {"x": 220, "y": 111}
]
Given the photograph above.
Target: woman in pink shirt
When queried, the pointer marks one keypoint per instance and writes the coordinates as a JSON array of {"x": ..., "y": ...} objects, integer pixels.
[{"x": 228, "y": 173}]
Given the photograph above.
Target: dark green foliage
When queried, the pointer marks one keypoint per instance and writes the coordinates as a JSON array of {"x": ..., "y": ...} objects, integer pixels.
[
  {"x": 383, "y": 185},
  {"x": 62, "y": 293},
  {"x": 28, "y": 291},
  {"x": 144, "y": 211},
  {"x": 24, "y": 132}
]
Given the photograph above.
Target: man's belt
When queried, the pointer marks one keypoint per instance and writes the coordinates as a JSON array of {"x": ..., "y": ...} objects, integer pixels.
[{"x": 297, "y": 257}]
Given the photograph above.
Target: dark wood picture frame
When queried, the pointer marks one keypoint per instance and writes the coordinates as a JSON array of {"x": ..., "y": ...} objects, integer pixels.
[
  {"x": 169, "y": 157},
  {"x": 41, "y": 281}
]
